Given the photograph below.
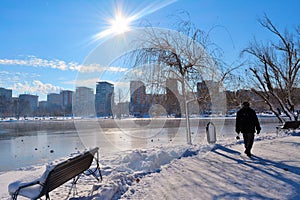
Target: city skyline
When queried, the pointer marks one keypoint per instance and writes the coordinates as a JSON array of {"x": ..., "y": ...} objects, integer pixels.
[
  {"x": 85, "y": 103},
  {"x": 44, "y": 43}
]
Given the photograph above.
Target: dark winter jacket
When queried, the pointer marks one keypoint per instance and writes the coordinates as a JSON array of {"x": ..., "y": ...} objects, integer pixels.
[{"x": 247, "y": 121}]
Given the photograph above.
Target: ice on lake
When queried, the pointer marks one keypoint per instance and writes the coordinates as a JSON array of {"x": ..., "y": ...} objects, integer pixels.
[{"x": 25, "y": 143}]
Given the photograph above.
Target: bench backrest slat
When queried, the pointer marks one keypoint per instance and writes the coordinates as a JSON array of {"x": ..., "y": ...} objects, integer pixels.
[{"x": 67, "y": 170}]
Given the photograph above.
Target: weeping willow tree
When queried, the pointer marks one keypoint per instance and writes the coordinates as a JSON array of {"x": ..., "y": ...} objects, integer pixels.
[
  {"x": 186, "y": 55},
  {"x": 274, "y": 67}
]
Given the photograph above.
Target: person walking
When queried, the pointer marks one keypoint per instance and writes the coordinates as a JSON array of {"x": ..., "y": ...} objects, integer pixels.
[{"x": 246, "y": 123}]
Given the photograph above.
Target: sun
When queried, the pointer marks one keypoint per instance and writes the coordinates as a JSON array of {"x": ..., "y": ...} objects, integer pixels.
[{"x": 120, "y": 24}]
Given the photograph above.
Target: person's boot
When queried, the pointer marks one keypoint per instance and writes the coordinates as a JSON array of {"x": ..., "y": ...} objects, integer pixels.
[{"x": 247, "y": 152}]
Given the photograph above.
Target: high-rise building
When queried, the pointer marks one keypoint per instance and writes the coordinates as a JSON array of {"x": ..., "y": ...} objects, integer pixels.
[
  {"x": 172, "y": 85},
  {"x": 210, "y": 97},
  {"x": 104, "y": 99},
  {"x": 137, "y": 98},
  {"x": 43, "y": 105},
  {"x": 83, "y": 103},
  {"x": 5, "y": 94},
  {"x": 43, "y": 108},
  {"x": 53, "y": 99},
  {"x": 206, "y": 88},
  {"x": 66, "y": 97},
  {"x": 5, "y": 101},
  {"x": 173, "y": 97},
  {"x": 53, "y": 104},
  {"x": 28, "y": 104}
]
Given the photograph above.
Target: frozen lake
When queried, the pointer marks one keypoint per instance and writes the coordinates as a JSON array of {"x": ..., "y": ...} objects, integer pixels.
[{"x": 28, "y": 143}]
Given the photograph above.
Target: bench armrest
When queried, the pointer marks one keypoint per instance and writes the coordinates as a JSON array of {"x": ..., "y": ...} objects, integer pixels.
[
  {"x": 29, "y": 184},
  {"x": 14, "y": 189}
]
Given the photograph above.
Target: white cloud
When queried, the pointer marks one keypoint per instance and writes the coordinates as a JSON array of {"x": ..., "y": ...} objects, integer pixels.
[
  {"x": 4, "y": 73},
  {"x": 35, "y": 87},
  {"x": 33, "y": 61},
  {"x": 6, "y": 77},
  {"x": 9, "y": 78}
]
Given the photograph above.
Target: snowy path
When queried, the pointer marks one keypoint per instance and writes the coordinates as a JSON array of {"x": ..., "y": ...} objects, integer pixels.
[
  {"x": 200, "y": 173},
  {"x": 274, "y": 173}
]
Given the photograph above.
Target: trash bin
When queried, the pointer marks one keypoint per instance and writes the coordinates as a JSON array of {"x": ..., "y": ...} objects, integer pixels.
[{"x": 211, "y": 133}]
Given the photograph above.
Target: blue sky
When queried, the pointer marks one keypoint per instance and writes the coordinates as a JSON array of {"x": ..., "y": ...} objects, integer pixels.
[{"x": 43, "y": 43}]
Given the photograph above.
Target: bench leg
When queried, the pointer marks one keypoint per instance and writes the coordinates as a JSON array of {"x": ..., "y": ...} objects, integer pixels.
[
  {"x": 94, "y": 174},
  {"x": 14, "y": 196},
  {"x": 97, "y": 168},
  {"x": 47, "y": 196},
  {"x": 74, "y": 182}
]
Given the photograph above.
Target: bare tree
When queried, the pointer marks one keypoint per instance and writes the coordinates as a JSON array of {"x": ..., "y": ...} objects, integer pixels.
[
  {"x": 185, "y": 54},
  {"x": 275, "y": 69}
]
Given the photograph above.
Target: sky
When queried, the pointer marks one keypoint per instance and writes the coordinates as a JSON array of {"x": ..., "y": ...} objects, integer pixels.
[{"x": 44, "y": 44}]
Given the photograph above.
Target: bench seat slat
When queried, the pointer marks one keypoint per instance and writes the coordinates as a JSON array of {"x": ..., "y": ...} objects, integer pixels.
[{"x": 64, "y": 173}]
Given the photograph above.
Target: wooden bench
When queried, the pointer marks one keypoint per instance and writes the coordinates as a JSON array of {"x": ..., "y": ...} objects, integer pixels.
[
  {"x": 57, "y": 175},
  {"x": 288, "y": 126}
]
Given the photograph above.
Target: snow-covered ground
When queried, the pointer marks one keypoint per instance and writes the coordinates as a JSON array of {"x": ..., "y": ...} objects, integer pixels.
[{"x": 217, "y": 171}]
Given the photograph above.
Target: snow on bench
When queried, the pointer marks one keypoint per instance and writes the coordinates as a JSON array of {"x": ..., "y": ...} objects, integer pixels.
[{"x": 56, "y": 175}]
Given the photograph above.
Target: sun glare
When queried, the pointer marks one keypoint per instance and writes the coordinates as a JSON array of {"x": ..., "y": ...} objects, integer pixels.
[{"x": 120, "y": 24}]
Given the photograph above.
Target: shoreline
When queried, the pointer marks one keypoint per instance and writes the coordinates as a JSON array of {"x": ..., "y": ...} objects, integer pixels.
[
  {"x": 141, "y": 121},
  {"x": 32, "y": 127}
]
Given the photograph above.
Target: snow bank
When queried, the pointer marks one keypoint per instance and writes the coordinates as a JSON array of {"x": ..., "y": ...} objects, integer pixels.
[
  {"x": 119, "y": 171},
  {"x": 126, "y": 168}
]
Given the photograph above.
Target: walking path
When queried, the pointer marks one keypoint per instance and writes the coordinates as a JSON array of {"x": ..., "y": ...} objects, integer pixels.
[{"x": 272, "y": 173}]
